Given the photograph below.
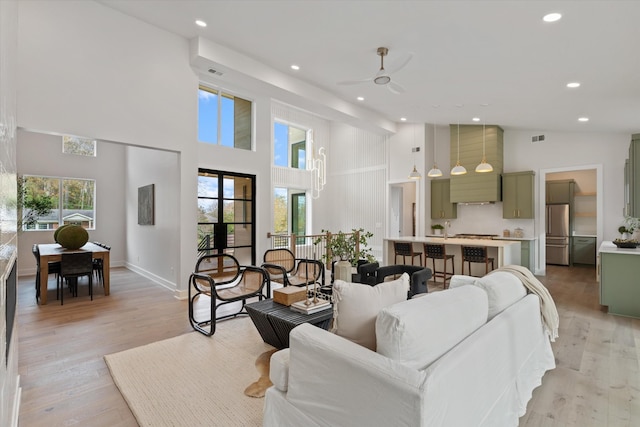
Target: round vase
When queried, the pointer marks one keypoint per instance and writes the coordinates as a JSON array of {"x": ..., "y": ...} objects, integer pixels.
[{"x": 342, "y": 271}]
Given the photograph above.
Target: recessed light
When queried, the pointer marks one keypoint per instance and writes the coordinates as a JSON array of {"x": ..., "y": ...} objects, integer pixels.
[
  {"x": 403, "y": 119},
  {"x": 200, "y": 23},
  {"x": 360, "y": 98},
  {"x": 295, "y": 67},
  {"x": 573, "y": 85},
  {"x": 552, "y": 17},
  {"x": 476, "y": 119},
  {"x": 583, "y": 119}
]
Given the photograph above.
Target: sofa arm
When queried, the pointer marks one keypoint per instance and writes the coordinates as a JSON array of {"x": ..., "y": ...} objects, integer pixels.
[
  {"x": 329, "y": 377},
  {"x": 279, "y": 369}
]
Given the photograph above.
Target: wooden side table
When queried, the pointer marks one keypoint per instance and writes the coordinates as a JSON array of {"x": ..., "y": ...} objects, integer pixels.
[{"x": 275, "y": 321}]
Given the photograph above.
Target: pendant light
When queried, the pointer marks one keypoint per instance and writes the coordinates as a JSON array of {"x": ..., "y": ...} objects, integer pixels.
[
  {"x": 434, "y": 172},
  {"x": 458, "y": 169},
  {"x": 484, "y": 167},
  {"x": 414, "y": 173}
]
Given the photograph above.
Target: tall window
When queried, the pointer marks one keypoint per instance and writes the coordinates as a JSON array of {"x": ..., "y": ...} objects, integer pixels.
[
  {"x": 290, "y": 145},
  {"x": 290, "y": 211},
  {"x": 223, "y": 119},
  {"x": 49, "y": 202}
]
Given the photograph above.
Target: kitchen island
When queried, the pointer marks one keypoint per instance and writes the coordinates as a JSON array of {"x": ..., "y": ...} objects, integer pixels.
[
  {"x": 504, "y": 252},
  {"x": 619, "y": 284}
]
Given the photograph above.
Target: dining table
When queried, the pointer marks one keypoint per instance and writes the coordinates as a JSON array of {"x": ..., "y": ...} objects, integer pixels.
[{"x": 51, "y": 252}]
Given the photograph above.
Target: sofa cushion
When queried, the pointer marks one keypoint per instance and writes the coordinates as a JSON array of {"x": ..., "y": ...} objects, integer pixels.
[
  {"x": 356, "y": 307},
  {"x": 458, "y": 280},
  {"x": 418, "y": 331},
  {"x": 503, "y": 289}
]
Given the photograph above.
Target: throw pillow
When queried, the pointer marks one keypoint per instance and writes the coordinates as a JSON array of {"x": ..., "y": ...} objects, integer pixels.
[
  {"x": 503, "y": 289},
  {"x": 419, "y": 331},
  {"x": 356, "y": 306}
]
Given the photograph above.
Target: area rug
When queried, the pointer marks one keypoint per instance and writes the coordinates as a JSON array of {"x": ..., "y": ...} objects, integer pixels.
[{"x": 194, "y": 380}]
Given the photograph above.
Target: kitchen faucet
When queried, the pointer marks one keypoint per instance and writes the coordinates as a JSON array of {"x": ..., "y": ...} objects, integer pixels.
[{"x": 447, "y": 224}]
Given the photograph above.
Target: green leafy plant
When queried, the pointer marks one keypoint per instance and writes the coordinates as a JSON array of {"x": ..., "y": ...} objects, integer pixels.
[
  {"x": 437, "y": 227},
  {"x": 350, "y": 247},
  {"x": 31, "y": 206},
  {"x": 631, "y": 224}
]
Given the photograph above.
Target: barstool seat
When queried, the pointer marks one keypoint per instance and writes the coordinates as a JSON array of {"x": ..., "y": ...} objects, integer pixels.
[
  {"x": 434, "y": 252},
  {"x": 476, "y": 254},
  {"x": 405, "y": 249}
]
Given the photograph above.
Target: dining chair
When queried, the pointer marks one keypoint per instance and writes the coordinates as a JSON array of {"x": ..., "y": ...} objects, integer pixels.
[
  {"x": 476, "y": 254},
  {"x": 98, "y": 264},
  {"x": 439, "y": 251},
  {"x": 54, "y": 268},
  {"x": 72, "y": 267},
  {"x": 405, "y": 249}
]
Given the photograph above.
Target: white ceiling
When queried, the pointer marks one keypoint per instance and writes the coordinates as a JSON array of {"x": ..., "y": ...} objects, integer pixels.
[{"x": 466, "y": 53}]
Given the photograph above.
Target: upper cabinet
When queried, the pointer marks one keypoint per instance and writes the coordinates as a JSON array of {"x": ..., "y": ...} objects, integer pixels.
[
  {"x": 559, "y": 191},
  {"x": 441, "y": 206},
  {"x": 474, "y": 186},
  {"x": 632, "y": 175},
  {"x": 518, "y": 195}
]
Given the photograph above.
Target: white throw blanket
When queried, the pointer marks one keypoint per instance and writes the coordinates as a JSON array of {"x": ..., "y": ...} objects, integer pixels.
[{"x": 548, "y": 310}]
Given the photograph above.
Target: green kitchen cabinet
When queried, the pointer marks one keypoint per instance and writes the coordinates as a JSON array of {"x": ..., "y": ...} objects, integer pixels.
[
  {"x": 525, "y": 253},
  {"x": 441, "y": 206},
  {"x": 619, "y": 288},
  {"x": 632, "y": 175},
  {"x": 560, "y": 191},
  {"x": 518, "y": 195},
  {"x": 583, "y": 250}
]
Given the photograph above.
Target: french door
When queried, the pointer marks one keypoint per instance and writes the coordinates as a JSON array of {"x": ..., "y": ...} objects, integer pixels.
[{"x": 226, "y": 214}]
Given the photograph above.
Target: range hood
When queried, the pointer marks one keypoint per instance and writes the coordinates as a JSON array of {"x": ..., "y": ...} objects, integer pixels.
[{"x": 474, "y": 187}]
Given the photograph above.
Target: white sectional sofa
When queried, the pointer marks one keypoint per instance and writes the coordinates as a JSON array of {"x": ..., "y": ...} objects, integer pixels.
[{"x": 467, "y": 356}]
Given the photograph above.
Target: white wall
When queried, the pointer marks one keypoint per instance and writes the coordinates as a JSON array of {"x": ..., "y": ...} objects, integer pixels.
[
  {"x": 153, "y": 250},
  {"x": 41, "y": 154}
]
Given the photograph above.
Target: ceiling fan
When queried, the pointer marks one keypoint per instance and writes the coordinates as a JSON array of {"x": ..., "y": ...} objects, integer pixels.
[{"x": 383, "y": 76}]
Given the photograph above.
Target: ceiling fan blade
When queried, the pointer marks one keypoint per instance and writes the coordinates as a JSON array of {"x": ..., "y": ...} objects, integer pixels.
[
  {"x": 355, "y": 82},
  {"x": 401, "y": 64},
  {"x": 395, "y": 87}
]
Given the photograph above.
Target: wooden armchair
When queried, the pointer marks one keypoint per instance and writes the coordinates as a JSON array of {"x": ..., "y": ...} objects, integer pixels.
[
  {"x": 223, "y": 280},
  {"x": 285, "y": 268}
]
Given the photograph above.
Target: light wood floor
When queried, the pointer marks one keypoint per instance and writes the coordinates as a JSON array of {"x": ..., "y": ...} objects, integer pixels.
[{"x": 66, "y": 382}]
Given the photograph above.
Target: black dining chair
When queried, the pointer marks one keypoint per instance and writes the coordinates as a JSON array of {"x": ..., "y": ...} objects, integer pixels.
[
  {"x": 98, "y": 264},
  {"x": 72, "y": 267},
  {"x": 54, "y": 268}
]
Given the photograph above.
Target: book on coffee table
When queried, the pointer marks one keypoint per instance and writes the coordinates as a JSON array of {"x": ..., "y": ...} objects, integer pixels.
[{"x": 302, "y": 307}]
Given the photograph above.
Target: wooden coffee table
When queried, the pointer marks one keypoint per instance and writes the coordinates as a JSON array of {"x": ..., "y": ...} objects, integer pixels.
[{"x": 274, "y": 321}]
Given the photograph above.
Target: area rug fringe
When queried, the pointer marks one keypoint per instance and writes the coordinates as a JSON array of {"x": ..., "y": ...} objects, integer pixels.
[{"x": 193, "y": 380}]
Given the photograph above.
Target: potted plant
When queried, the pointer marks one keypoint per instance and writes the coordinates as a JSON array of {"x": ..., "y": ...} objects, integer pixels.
[
  {"x": 349, "y": 247},
  {"x": 437, "y": 228}
]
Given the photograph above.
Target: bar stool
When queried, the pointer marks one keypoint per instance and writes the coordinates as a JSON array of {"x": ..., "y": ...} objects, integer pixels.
[
  {"x": 477, "y": 254},
  {"x": 439, "y": 252},
  {"x": 405, "y": 249}
]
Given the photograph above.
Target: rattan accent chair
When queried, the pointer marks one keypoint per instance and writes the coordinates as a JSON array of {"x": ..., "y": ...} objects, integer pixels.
[
  {"x": 222, "y": 280},
  {"x": 286, "y": 269}
]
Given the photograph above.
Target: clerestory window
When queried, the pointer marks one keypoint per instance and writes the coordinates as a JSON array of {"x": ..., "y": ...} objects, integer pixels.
[{"x": 224, "y": 119}]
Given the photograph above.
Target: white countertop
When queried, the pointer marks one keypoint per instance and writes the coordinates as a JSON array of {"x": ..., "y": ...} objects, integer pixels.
[
  {"x": 609, "y": 247},
  {"x": 455, "y": 241},
  {"x": 514, "y": 238}
]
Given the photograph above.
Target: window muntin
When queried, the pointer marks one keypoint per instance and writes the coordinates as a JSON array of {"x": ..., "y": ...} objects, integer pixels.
[
  {"x": 79, "y": 146},
  {"x": 224, "y": 119},
  {"x": 71, "y": 201}
]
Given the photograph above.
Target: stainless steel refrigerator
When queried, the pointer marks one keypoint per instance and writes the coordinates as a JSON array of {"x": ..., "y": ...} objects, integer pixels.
[{"x": 557, "y": 234}]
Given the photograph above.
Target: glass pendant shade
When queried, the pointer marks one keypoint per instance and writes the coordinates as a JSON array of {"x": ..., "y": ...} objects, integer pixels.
[
  {"x": 414, "y": 173},
  {"x": 458, "y": 169},
  {"x": 434, "y": 172}
]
